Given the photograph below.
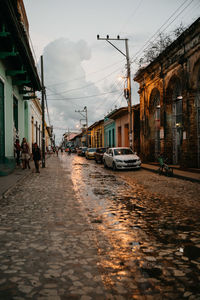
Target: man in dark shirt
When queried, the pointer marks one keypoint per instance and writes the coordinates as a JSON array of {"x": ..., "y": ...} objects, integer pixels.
[{"x": 36, "y": 157}]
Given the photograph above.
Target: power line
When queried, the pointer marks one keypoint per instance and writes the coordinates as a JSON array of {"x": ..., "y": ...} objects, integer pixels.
[
  {"x": 196, "y": 8},
  {"x": 115, "y": 84},
  {"x": 131, "y": 16},
  {"x": 78, "y": 78},
  {"x": 115, "y": 101},
  {"x": 83, "y": 87},
  {"x": 77, "y": 98},
  {"x": 147, "y": 43}
]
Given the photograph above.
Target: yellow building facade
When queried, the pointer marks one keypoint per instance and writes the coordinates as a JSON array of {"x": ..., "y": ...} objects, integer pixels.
[{"x": 97, "y": 134}]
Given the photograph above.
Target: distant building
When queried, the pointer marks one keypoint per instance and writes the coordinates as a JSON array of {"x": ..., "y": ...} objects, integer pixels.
[
  {"x": 170, "y": 102},
  {"x": 116, "y": 128},
  {"x": 97, "y": 134},
  {"x": 36, "y": 122},
  {"x": 76, "y": 140},
  {"x": 109, "y": 130}
]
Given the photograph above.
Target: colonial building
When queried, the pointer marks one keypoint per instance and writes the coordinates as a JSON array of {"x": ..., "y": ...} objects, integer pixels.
[
  {"x": 97, "y": 134},
  {"x": 116, "y": 128},
  {"x": 170, "y": 102},
  {"x": 18, "y": 77},
  {"x": 48, "y": 137},
  {"x": 109, "y": 131},
  {"x": 76, "y": 140},
  {"x": 36, "y": 122},
  {"x": 121, "y": 117}
]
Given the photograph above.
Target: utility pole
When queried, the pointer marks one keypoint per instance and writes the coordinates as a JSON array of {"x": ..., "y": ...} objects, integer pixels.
[
  {"x": 127, "y": 91},
  {"x": 84, "y": 114},
  {"x": 43, "y": 120}
]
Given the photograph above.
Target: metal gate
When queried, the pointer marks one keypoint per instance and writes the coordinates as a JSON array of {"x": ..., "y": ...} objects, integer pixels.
[
  {"x": 2, "y": 126},
  {"x": 157, "y": 131},
  {"x": 176, "y": 128}
]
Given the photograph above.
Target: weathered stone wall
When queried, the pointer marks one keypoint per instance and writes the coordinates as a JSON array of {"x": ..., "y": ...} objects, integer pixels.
[{"x": 174, "y": 76}]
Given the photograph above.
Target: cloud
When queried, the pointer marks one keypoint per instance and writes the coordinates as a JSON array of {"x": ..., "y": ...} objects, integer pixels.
[
  {"x": 65, "y": 78},
  {"x": 65, "y": 65}
]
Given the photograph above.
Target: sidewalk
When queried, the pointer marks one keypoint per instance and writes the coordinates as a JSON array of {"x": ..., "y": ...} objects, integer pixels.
[
  {"x": 8, "y": 182},
  {"x": 186, "y": 174}
]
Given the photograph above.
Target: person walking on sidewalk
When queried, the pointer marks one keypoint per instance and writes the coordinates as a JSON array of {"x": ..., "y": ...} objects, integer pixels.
[
  {"x": 17, "y": 151},
  {"x": 36, "y": 157},
  {"x": 25, "y": 154},
  {"x": 57, "y": 150}
]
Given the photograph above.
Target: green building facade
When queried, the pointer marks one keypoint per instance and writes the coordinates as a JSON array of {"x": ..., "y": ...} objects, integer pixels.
[{"x": 18, "y": 80}]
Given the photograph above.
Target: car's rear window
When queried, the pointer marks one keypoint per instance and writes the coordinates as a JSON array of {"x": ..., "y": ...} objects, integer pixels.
[
  {"x": 92, "y": 150},
  {"x": 101, "y": 150},
  {"x": 123, "y": 151}
]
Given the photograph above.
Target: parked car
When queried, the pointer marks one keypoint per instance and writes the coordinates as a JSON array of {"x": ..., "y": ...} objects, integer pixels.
[
  {"x": 73, "y": 149},
  {"x": 90, "y": 153},
  {"x": 121, "y": 158},
  {"x": 98, "y": 156},
  {"x": 81, "y": 151}
]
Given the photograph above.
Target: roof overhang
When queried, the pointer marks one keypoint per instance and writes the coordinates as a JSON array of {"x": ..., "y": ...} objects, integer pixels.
[{"x": 18, "y": 42}]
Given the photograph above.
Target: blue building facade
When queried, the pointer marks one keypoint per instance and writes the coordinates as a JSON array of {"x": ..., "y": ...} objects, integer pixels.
[{"x": 109, "y": 133}]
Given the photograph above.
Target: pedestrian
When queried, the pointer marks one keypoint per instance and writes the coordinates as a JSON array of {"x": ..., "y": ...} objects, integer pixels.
[
  {"x": 17, "y": 151},
  {"x": 36, "y": 157},
  {"x": 57, "y": 150},
  {"x": 25, "y": 154}
]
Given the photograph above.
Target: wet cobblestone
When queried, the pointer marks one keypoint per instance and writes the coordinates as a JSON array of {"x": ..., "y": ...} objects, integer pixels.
[
  {"x": 152, "y": 248},
  {"x": 78, "y": 231},
  {"x": 47, "y": 249}
]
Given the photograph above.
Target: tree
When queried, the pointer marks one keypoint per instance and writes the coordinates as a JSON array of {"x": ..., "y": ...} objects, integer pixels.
[{"x": 159, "y": 45}]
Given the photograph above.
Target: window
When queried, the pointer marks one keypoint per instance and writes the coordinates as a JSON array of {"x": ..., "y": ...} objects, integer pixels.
[
  {"x": 179, "y": 113},
  {"x": 110, "y": 152},
  {"x": 123, "y": 151}
]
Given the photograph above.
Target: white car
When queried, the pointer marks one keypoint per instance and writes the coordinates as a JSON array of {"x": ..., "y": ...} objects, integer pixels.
[{"x": 121, "y": 158}]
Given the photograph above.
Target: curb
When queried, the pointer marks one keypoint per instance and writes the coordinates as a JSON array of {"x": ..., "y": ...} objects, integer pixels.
[
  {"x": 174, "y": 175},
  {"x": 5, "y": 194}
]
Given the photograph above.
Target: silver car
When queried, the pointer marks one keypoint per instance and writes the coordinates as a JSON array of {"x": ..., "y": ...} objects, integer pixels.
[{"x": 121, "y": 158}]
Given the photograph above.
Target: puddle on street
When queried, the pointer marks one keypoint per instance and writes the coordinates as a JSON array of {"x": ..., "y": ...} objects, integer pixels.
[{"x": 145, "y": 246}]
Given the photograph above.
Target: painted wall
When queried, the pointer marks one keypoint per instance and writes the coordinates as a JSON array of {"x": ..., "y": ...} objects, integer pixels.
[
  {"x": 10, "y": 92},
  {"x": 35, "y": 123},
  {"x": 97, "y": 136},
  {"x": 122, "y": 122},
  {"x": 109, "y": 133}
]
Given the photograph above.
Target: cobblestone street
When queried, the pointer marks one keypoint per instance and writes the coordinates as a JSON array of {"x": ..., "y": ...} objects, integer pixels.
[
  {"x": 48, "y": 250},
  {"x": 78, "y": 231}
]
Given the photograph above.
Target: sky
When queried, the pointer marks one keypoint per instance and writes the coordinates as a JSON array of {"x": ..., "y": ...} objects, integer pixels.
[{"x": 80, "y": 70}]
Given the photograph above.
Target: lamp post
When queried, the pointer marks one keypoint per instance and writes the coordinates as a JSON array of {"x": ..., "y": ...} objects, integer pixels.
[
  {"x": 127, "y": 91},
  {"x": 43, "y": 114}
]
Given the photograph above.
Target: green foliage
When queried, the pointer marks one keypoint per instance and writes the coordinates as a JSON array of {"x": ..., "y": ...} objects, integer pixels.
[{"x": 159, "y": 45}]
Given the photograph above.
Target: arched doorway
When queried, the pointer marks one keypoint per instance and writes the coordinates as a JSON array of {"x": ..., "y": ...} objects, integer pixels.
[
  {"x": 154, "y": 111},
  {"x": 2, "y": 126}
]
